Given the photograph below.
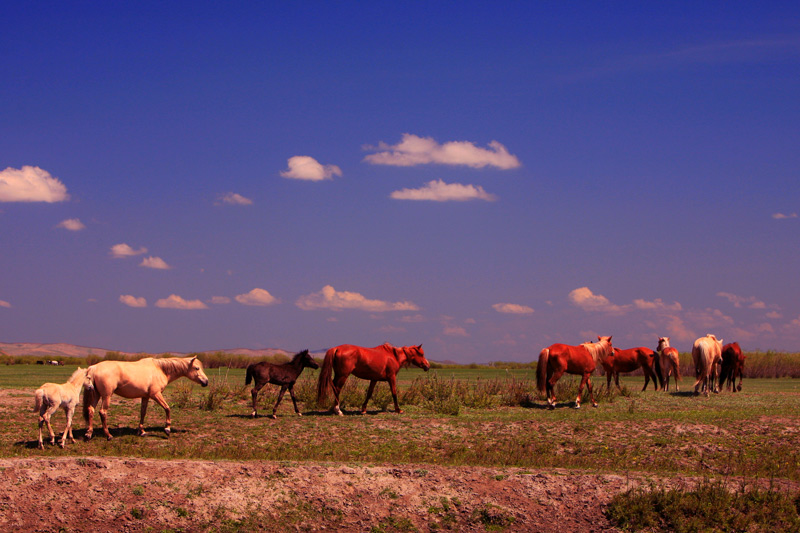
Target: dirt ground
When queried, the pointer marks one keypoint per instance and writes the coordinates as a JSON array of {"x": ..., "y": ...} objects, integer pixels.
[{"x": 117, "y": 494}]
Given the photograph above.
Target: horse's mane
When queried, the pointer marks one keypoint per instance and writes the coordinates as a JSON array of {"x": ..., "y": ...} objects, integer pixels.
[
  {"x": 296, "y": 357},
  {"x": 173, "y": 365},
  {"x": 597, "y": 349},
  {"x": 78, "y": 375}
]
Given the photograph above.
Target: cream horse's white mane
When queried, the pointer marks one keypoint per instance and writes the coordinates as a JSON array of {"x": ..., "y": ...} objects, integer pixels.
[{"x": 598, "y": 349}]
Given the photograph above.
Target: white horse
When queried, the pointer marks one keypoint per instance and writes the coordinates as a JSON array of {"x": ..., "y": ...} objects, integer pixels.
[
  {"x": 669, "y": 362},
  {"x": 51, "y": 396},
  {"x": 706, "y": 353}
]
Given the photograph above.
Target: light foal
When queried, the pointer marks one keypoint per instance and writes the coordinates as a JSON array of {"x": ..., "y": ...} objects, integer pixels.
[
  {"x": 670, "y": 362},
  {"x": 51, "y": 396}
]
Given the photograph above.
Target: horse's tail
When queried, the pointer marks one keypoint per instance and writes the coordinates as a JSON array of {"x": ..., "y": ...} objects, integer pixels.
[
  {"x": 676, "y": 363},
  {"x": 39, "y": 400},
  {"x": 541, "y": 370},
  {"x": 88, "y": 393},
  {"x": 249, "y": 376},
  {"x": 325, "y": 377}
]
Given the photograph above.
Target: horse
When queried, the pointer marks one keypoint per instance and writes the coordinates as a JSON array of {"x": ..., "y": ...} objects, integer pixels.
[
  {"x": 284, "y": 375},
  {"x": 51, "y": 396},
  {"x": 375, "y": 364},
  {"x": 582, "y": 360},
  {"x": 628, "y": 361},
  {"x": 146, "y": 378},
  {"x": 669, "y": 362},
  {"x": 732, "y": 366},
  {"x": 706, "y": 354}
]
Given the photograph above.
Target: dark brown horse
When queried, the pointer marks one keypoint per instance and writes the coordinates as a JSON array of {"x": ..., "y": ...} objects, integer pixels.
[
  {"x": 375, "y": 364},
  {"x": 285, "y": 375},
  {"x": 732, "y": 366},
  {"x": 582, "y": 360},
  {"x": 628, "y": 361}
]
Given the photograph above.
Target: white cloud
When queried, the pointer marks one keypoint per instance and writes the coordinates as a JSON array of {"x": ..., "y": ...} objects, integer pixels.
[
  {"x": 329, "y": 298},
  {"x": 439, "y": 191},
  {"x": 774, "y": 315},
  {"x": 220, "y": 300},
  {"x": 584, "y": 298},
  {"x": 176, "y": 302},
  {"x": 4, "y": 303},
  {"x": 781, "y": 216},
  {"x": 514, "y": 309},
  {"x": 455, "y": 331},
  {"x": 413, "y": 150},
  {"x": 232, "y": 198},
  {"x": 30, "y": 184},
  {"x": 72, "y": 224},
  {"x": 132, "y": 301},
  {"x": 656, "y": 305},
  {"x": 303, "y": 167},
  {"x": 257, "y": 297},
  {"x": 154, "y": 262},
  {"x": 738, "y": 301},
  {"x": 121, "y": 250}
]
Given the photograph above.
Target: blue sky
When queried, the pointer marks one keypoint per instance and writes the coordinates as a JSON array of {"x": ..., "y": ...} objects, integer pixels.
[{"x": 482, "y": 178}]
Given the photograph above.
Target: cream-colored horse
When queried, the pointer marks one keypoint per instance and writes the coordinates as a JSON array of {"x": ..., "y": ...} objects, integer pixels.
[
  {"x": 145, "y": 379},
  {"x": 669, "y": 361},
  {"x": 706, "y": 353},
  {"x": 51, "y": 396}
]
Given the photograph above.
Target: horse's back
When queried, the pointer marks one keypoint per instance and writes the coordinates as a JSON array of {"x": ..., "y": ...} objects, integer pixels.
[{"x": 129, "y": 379}]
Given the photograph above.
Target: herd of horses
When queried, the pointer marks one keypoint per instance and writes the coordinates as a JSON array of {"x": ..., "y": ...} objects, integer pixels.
[{"x": 147, "y": 378}]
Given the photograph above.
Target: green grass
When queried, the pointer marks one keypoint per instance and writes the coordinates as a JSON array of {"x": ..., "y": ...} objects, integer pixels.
[{"x": 752, "y": 433}]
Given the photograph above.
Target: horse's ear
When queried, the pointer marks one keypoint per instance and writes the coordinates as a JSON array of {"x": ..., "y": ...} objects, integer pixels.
[{"x": 419, "y": 347}]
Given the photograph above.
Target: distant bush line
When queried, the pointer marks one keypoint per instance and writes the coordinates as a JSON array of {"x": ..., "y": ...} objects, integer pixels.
[{"x": 769, "y": 364}]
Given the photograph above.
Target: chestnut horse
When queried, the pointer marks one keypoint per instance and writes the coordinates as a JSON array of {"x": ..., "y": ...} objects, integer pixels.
[
  {"x": 284, "y": 375},
  {"x": 628, "y": 361},
  {"x": 145, "y": 379},
  {"x": 706, "y": 354},
  {"x": 732, "y": 366},
  {"x": 670, "y": 362},
  {"x": 375, "y": 364},
  {"x": 51, "y": 396},
  {"x": 559, "y": 358}
]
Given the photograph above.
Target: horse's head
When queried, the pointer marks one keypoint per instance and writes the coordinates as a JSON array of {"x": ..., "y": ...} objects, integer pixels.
[
  {"x": 195, "y": 372},
  {"x": 606, "y": 343},
  {"x": 663, "y": 342},
  {"x": 416, "y": 357},
  {"x": 306, "y": 360}
]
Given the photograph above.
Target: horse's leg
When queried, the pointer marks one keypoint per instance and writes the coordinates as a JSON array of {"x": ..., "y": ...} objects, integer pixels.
[
  {"x": 254, "y": 393},
  {"x": 91, "y": 404},
  {"x": 393, "y": 387},
  {"x": 338, "y": 385},
  {"x": 369, "y": 395},
  {"x": 555, "y": 375},
  {"x": 159, "y": 399},
  {"x": 50, "y": 410},
  {"x": 591, "y": 392},
  {"x": 42, "y": 411},
  {"x": 609, "y": 375},
  {"x": 105, "y": 402},
  {"x": 584, "y": 379},
  {"x": 294, "y": 400},
  {"x": 616, "y": 381},
  {"x": 280, "y": 397},
  {"x": 68, "y": 428},
  {"x": 142, "y": 412}
]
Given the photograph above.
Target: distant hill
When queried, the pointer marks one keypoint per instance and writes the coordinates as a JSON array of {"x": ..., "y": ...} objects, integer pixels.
[{"x": 71, "y": 350}]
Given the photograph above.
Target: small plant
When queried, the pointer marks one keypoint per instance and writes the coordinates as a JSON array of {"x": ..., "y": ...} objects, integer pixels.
[{"x": 138, "y": 490}]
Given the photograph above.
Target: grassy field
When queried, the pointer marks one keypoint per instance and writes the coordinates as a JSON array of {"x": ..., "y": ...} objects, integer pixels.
[{"x": 752, "y": 434}]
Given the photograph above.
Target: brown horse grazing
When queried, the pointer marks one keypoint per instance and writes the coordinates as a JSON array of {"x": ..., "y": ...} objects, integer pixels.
[
  {"x": 51, "y": 396},
  {"x": 732, "y": 366},
  {"x": 559, "y": 358},
  {"x": 375, "y": 364},
  {"x": 145, "y": 379},
  {"x": 284, "y": 375},
  {"x": 670, "y": 362},
  {"x": 706, "y": 353},
  {"x": 628, "y": 361}
]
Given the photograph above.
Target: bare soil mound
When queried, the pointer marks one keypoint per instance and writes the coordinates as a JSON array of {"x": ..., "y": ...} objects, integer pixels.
[{"x": 117, "y": 494}]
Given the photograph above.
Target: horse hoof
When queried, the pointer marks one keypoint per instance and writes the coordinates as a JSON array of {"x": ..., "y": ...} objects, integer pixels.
[
  {"x": 577, "y": 406},
  {"x": 299, "y": 414},
  {"x": 41, "y": 446},
  {"x": 87, "y": 437},
  {"x": 272, "y": 416},
  {"x": 109, "y": 437},
  {"x": 61, "y": 445},
  {"x": 167, "y": 431},
  {"x": 253, "y": 415},
  {"x": 594, "y": 405}
]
